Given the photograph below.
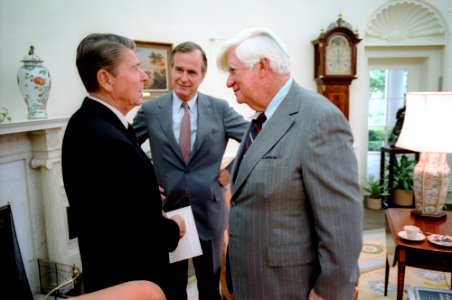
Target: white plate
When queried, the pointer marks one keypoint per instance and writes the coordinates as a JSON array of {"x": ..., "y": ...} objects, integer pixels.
[
  {"x": 419, "y": 237},
  {"x": 442, "y": 240}
]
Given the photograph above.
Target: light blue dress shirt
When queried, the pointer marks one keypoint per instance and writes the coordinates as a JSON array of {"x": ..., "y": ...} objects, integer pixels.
[
  {"x": 276, "y": 101},
  {"x": 178, "y": 114}
]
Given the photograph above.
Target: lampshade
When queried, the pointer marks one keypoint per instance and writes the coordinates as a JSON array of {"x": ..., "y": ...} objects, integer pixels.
[{"x": 427, "y": 126}]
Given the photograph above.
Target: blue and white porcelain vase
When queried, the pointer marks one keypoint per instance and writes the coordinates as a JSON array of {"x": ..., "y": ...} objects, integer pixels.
[{"x": 34, "y": 84}]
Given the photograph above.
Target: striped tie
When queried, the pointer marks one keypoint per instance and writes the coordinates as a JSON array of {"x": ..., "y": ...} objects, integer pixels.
[{"x": 256, "y": 126}]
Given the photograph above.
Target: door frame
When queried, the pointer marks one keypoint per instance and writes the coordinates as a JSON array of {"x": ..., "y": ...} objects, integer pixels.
[{"x": 425, "y": 65}]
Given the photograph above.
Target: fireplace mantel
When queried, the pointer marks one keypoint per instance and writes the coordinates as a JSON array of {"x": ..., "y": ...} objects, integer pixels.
[
  {"x": 32, "y": 125},
  {"x": 31, "y": 182}
]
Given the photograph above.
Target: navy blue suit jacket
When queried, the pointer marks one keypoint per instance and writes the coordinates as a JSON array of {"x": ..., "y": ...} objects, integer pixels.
[{"x": 113, "y": 193}]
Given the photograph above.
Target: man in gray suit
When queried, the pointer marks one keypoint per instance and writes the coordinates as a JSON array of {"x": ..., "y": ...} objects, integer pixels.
[
  {"x": 194, "y": 179},
  {"x": 296, "y": 211}
]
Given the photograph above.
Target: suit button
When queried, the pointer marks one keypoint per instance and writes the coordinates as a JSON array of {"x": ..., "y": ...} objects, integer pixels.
[{"x": 232, "y": 203}]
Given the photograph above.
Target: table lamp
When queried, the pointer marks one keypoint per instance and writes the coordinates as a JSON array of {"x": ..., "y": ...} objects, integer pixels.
[{"x": 427, "y": 129}]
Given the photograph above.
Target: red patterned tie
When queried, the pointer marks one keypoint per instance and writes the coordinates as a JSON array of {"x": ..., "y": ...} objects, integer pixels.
[
  {"x": 185, "y": 133},
  {"x": 256, "y": 126}
]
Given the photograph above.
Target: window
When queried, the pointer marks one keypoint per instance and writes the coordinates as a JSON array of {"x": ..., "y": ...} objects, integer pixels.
[{"x": 386, "y": 97}]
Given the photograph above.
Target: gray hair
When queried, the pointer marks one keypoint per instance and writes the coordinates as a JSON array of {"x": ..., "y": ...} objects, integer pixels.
[
  {"x": 100, "y": 51},
  {"x": 188, "y": 47},
  {"x": 253, "y": 44}
]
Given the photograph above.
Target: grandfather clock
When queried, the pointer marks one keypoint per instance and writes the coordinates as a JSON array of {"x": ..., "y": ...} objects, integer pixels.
[{"x": 335, "y": 62}]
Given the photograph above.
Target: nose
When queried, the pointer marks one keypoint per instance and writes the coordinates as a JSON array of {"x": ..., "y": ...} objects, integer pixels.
[
  {"x": 144, "y": 76},
  {"x": 230, "y": 81},
  {"x": 184, "y": 76}
]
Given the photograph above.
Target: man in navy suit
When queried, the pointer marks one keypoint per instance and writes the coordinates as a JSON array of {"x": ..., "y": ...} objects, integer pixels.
[
  {"x": 109, "y": 181},
  {"x": 196, "y": 181}
]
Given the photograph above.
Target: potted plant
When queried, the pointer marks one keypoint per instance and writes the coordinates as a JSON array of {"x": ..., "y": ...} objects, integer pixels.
[
  {"x": 403, "y": 181},
  {"x": 375, "y": 192},
  {"x": 4, "y": 115}
]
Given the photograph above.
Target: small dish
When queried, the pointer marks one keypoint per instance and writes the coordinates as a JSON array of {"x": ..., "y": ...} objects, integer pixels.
[
  {"x": 441, "y": 240},
  {"x": 419, "y": 237}
]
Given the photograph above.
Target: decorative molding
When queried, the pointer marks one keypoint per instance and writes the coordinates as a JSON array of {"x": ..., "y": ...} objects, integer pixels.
[
  {"x": 32, "y": 125},
  {"x": 403, "y": 20},
  {"x": 46, "y": 163},
  {"x": 36, "y": 145}
]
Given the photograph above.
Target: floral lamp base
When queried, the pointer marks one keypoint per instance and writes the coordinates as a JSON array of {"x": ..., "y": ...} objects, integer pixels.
[{"x": 431, "y": 180}]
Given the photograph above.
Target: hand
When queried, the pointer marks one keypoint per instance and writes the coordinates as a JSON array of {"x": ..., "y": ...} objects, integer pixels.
[
  {"x": 223, "y": 177},
  {"x": 181, "y": 223},
  {"x": 162, "y": 193},
  {"x": 314, "y": 296}
]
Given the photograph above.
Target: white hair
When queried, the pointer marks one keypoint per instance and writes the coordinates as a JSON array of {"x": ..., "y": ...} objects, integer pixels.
[{"x": 253, "y": 44}]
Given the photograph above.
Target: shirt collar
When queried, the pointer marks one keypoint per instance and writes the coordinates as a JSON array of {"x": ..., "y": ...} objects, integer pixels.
[
  {"x": 276, "y": 101},
  {"x": 177, "y": 102},
  {"x": 119, "y": 114}
]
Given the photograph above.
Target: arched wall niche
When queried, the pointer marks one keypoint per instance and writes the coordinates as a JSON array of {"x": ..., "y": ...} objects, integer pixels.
[{"x": 405, "y": 22}]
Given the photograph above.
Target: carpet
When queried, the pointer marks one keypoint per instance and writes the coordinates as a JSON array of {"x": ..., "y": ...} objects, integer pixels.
[
  {"x": 372, "y": 266},
  {"x": 371, "y": 284},
  {"x": 373, "y": 255}
]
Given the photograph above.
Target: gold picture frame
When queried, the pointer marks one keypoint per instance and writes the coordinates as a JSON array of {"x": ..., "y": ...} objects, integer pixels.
[{"x": 155, "y": 61}]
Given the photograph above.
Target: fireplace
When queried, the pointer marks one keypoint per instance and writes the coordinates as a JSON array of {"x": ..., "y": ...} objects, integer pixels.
[{"x": 31, "y": 182}]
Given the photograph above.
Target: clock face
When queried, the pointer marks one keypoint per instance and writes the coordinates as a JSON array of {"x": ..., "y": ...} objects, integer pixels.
[{"x": 338, "y": 56}]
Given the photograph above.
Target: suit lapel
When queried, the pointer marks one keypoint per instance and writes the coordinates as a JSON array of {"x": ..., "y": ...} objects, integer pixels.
[
  {"x": 204, "y": 119},
  {"x": 165, "y": 117},
  {"x": 275, "y": 128},
  {"x": 239, "y": 156},
  {"x": 105, "y": 113}
]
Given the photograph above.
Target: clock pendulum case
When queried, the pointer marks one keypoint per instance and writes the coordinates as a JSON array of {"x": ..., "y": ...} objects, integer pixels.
[{"x": 335, "y": 56}]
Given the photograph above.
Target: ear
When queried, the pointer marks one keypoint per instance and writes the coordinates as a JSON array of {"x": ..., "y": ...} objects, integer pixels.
[
  {"x": 104, "y": 78},
  {"x": 264, "y": 66}
]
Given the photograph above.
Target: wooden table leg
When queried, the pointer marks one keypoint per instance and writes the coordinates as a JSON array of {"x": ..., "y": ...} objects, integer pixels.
[
  {"x": 386, "y": 277},
  {"x": 401, "y": 273}
]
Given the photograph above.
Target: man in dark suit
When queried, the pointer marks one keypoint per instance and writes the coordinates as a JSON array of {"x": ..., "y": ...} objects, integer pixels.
[
  {"x": 196, "y": 179},
  {"x": 110, "y": 182},
  {"x": 296, "y": 208}
]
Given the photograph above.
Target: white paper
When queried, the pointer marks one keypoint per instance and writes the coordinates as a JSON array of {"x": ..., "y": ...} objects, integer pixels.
[{"x": 189, "y": 245}]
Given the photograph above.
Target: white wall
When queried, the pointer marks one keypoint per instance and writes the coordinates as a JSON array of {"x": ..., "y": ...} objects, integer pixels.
[{"x": 55, "y": 28}]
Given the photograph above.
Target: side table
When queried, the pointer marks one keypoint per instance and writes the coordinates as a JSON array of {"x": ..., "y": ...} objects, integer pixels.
[{"x": 415, "y": 254}]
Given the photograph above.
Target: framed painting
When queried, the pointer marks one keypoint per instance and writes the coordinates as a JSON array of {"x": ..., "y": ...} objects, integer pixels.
[{"x": 154, "y": 58}]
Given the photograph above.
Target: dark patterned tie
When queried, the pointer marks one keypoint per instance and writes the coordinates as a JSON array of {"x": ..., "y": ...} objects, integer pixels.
[
  {"x": 256, "y": 126},
  {"x": 185, "y": 133}
]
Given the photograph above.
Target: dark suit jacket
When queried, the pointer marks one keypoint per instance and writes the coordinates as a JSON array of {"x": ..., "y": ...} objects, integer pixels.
[
  {"x": 217, "y": 123},
  {"x": 113, "y": 193}
]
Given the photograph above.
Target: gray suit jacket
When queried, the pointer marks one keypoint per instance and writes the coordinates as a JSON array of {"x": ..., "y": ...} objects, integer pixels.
[
  {"x": 217, "y": 122},
  {"x": 296, "y": 216}
]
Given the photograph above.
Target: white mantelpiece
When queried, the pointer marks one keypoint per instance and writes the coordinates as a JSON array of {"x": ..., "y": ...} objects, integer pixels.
[
  {"x": 32, "y": 125},
  {"x": 31, "y": 181}
]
